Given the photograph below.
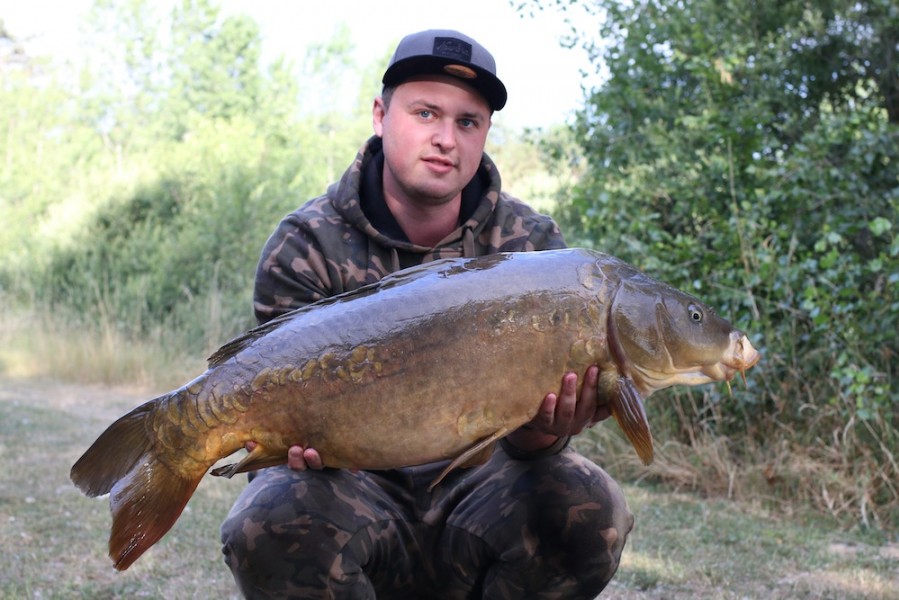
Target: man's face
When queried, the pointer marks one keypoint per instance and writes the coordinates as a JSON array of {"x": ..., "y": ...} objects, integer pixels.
[{"x": 434, "y": 134}]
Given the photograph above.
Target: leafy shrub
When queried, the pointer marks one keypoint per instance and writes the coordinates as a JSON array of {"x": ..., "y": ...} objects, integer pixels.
[{"x": 748, "y": 152}]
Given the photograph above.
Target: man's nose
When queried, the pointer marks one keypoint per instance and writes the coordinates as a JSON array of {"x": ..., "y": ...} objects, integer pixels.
[{"x": 445, "y": 135}]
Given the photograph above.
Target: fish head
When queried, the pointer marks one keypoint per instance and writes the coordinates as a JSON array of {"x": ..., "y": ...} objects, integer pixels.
[{"x": 664, "y": 337}]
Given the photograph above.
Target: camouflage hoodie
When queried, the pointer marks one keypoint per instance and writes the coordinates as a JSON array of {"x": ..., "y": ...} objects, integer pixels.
[{"x": 348, "y": 238}]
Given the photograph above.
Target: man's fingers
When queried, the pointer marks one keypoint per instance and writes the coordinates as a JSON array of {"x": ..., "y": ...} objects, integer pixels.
[
  {"x": 586, "y": 406},
  {"x": 591, "y": 379},
  {"x": 298, "y": 458},
  {"x": 313, "y": 459},
  {"x": 547, "y": 413},
  {"x": 295, "y": 458},
  {"x": 569, "y": 386},
  {"x": 569, "y": 412}
]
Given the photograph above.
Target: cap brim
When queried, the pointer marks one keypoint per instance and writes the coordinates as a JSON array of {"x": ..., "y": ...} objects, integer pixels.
[{"x": 484, "y": 81}]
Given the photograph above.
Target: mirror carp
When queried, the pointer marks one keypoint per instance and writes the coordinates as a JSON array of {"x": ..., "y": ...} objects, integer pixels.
[{"x": 435, "y": 362}]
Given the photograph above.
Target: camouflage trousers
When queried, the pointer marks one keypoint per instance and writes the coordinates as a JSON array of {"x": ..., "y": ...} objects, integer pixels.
[{"x": 552, "y": 527}]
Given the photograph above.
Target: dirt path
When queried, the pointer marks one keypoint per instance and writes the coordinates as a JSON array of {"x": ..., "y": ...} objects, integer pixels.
[{"x": 79, "y": 400}]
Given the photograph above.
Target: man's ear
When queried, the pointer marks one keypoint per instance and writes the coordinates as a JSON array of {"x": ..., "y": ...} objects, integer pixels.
[{"x": 378, "y": 112}]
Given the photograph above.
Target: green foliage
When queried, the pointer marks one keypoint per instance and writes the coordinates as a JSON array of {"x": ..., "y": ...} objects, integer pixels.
[
  {"x": 170, "y": 163},
  {"x": 215, "y": 66},
  {"x": 750, "y": 152},
  {"x": 144, "y": 184},
  {"x": 39, "y": 135},
  {"x": 195, "y": 226}
]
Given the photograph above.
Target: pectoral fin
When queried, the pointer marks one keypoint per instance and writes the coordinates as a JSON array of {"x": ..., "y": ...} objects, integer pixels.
[
  {"x": 478, "y": 454},
  {"x": 627, "y": 408},
  {"x": 259, "y": 458}
]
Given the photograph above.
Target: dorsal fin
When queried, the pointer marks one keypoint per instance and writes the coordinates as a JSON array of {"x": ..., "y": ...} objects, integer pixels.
[{"x": 244, "y": 340}]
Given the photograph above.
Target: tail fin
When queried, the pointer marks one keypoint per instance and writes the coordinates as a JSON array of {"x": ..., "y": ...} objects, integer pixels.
[{"x": 146, "y": 496}]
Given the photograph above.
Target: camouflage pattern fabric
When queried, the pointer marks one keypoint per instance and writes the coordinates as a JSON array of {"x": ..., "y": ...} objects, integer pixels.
[
  {"x": 329, "y": 246},
  {"x": 549, "y": 524},
  {"x": 553, "y": 527}
]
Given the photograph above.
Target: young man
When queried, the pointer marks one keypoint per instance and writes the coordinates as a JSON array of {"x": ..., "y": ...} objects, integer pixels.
[{"x": 538, "y": 520}]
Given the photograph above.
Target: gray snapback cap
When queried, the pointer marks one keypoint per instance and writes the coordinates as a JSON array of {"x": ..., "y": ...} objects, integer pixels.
[{"x": 447, "y": 52}]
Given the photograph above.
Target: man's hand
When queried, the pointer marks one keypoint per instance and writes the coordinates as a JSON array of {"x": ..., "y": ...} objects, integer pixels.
[
  {"x": 298, "y": 458},
  {"x": 563, "y": 414}
]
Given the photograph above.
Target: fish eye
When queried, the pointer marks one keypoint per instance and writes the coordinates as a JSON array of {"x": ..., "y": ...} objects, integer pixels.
[{"x": 695, "y": 313}]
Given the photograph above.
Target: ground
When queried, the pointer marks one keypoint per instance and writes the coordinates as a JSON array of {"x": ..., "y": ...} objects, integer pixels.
[{"x": 53, "y": 539}]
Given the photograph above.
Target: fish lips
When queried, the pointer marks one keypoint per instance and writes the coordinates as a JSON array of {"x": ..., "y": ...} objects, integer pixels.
[{"x": 739, "y": 356}]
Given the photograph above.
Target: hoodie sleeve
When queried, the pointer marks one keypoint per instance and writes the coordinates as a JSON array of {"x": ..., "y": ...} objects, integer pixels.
[{"x": 292, "y": 271}]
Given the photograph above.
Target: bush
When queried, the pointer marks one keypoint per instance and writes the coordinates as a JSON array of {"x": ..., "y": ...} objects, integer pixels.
[{"x": 747, "y": 152}]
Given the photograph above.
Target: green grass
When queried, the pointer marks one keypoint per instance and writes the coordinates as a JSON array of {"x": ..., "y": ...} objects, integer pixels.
[
  {"x": 689, "y": 547},
  {"x": 53, "y": 539}
]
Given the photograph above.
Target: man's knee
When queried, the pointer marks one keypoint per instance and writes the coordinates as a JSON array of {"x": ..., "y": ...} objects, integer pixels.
[
  {"x": 558, "y": 522},
  {"x": 557, "y": 494},
  {"x": 280, "y": 502},
  {"x": 287, "y": 530},
  {"x": 578, "y": 514}
]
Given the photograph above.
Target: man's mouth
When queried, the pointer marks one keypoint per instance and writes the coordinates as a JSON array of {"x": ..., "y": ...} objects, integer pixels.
[{"x": 439, "y": 164}]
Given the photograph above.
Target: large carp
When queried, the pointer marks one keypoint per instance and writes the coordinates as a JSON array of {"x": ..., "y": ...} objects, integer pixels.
[{"x": 434, "y": 362}]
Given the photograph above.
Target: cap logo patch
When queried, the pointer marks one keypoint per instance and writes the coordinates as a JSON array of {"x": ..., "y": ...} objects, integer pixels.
[
  {"x": 460, "y": 71},
  {"x": 453, "y": 48}
]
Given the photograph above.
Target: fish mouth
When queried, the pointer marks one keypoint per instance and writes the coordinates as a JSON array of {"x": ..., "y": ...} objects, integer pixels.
[
  {"x": 741, "y": 355},
  {"x": 738, "y": 357}
]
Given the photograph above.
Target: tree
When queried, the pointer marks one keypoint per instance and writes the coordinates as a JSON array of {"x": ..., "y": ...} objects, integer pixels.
[
  {"x": 126, "y": 75},
  {"x": 215, "y": 65},
  {"x": 44, "y": 150},
  {"x": 750, "y": 151},
  {"x": 209, "y": 150}
]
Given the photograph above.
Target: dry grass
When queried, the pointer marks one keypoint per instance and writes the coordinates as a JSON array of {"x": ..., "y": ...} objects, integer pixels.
[
  {"x": 54, "y": 539},
  {"x": 35, "y": 344},
  {"x": 833, "y": 473},
  {"x": 729, "y": 534}
]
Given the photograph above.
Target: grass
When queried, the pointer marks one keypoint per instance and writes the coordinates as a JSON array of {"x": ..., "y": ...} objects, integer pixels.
[
  {"x": 60, "y": 343},
  {"x": 688, "y": 547},
  {"x": 54, "y": 539}
]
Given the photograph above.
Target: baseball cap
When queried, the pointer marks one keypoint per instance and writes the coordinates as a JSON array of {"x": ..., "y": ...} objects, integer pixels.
[{"x": 447, "y": 52}]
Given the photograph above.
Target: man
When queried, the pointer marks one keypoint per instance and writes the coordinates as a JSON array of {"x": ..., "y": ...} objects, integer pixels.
[{"x": 538, "y": 520}]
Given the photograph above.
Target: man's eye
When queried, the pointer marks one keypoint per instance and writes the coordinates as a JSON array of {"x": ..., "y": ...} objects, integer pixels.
[
  {"x": 425, "y": 114},
  {"x": 467, "y": 123}
]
